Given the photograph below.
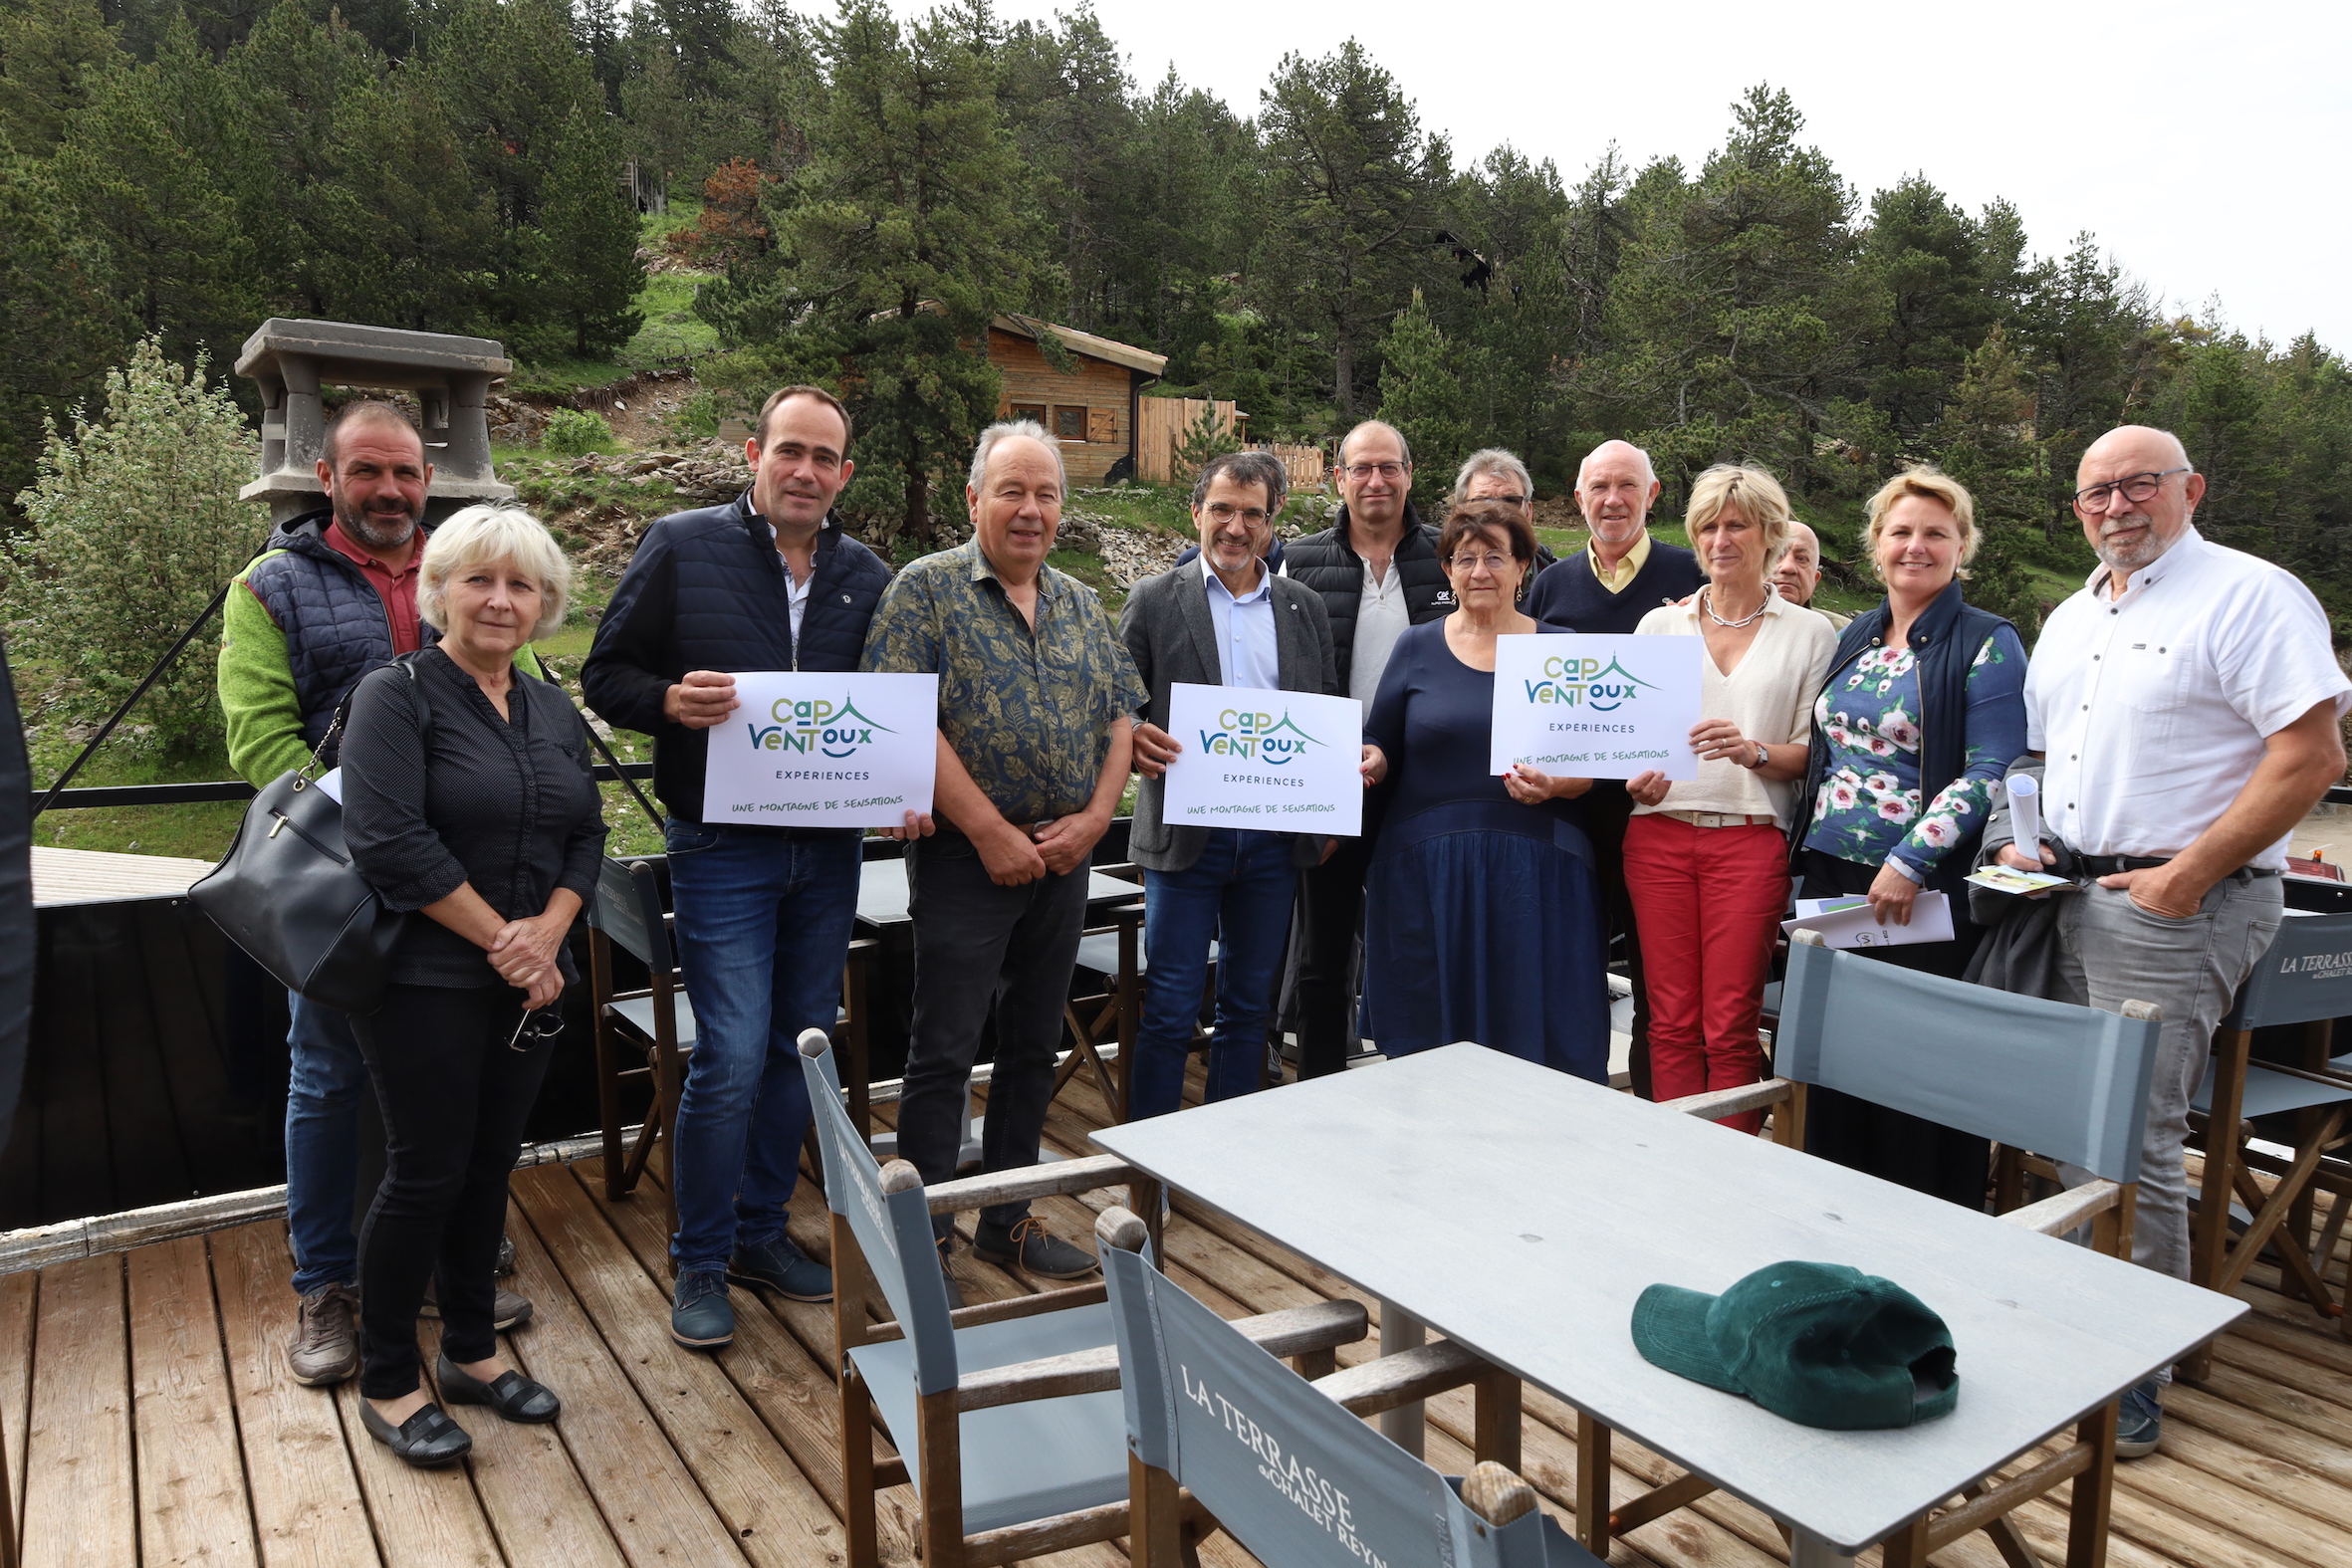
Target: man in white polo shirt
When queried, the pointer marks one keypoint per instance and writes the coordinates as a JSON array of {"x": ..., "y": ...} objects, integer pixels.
[{"x": 2186, "y": 702}]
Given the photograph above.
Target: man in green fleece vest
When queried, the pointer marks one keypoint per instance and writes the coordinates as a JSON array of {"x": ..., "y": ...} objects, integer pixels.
[{"x": 335, "y": 597}]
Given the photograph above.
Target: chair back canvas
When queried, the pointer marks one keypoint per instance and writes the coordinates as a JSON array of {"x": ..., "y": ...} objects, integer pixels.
[
  {"x": 1289, "y": 1473},
  {"x": 892, "y": 1228},
  {"x": 2066, "y": 1082},
  {"x": 628, "y": 911},
  {"x": 2306, "y": 975}
]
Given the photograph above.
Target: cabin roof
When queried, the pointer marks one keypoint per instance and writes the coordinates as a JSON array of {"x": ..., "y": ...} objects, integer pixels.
[{"x": 1087, "y": 343}]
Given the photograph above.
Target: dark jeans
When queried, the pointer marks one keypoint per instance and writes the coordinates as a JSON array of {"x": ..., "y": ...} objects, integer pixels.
[
  {"x": 981, "y": 947},
  {"x": 326, "y": 1082},
  {"x": 764, "y": 925},
  {"x": 1237, "y": 894},
  {"x": 1895, "y": 1146},
  {"x": 454, "y": 1100},
  {"x": 1607, "y": 809},
  {"x": 1331, "y": 907}
]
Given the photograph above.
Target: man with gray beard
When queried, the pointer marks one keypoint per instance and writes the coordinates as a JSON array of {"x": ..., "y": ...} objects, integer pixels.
[
  {"x": 334, "y": 597},
  {"x": 2186, "y": 700}
]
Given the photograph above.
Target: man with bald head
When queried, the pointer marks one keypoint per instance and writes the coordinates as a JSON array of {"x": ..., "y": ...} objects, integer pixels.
[
  {"x": 1624, "y": 574},
  {"x": 1607, "y": 587},
  {"x": 1797, "y": 573},
  {"x": 1036, "y": 694},
  {"x": 2187, "y": 701}
]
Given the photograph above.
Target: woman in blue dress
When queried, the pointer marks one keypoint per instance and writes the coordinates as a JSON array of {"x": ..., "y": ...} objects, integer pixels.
[
  {"x": 1482, "y": 916},
  {"x": 1923, "y": 711}
]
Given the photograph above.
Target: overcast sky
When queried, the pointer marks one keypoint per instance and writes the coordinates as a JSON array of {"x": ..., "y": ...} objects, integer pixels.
[{"x": 2205, "y": 146}]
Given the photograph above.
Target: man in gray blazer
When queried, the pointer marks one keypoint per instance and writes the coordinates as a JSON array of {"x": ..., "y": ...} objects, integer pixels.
[{"x": 1220, "y": 620}]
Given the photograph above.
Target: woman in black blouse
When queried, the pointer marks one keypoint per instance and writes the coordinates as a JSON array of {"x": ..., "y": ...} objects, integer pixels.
[{"x": 467, "y": 797}]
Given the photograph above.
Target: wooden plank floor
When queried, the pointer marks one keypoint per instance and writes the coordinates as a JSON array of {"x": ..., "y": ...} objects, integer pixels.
[{"x": 148, "y": 1418}]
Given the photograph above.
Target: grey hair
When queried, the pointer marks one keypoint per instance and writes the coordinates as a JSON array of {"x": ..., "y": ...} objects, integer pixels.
[
  {"x": 493, "y": 533},
  {"x": 1246, "y": 468},
  {"x": 1404, "y": 447},
  {"x": 1649, "y": 471},
  {"x": 1494, "y": 460},
  {"x": 1005, "y": 430}
]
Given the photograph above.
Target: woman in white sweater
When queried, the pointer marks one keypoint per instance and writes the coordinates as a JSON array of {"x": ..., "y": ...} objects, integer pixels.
[{"x": 1707, "y": 860}]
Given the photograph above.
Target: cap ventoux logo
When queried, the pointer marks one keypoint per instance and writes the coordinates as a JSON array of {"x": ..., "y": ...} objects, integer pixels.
[
  {"x": 1258, "y": 737},
  {"x": 1572, "y": 682},
  {"x": 813, "y": 724}
]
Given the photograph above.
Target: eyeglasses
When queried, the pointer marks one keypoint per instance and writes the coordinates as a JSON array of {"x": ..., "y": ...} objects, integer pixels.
[
  {"x": 1252, "y": 517},
  {"x": 1501, "y": 501},
  {"x": 532, "y": 1027},
  {"x": 1367, "y": 470},
  {"x": 2135, "y": 488},
  {"x": 1493, "y": 564}
]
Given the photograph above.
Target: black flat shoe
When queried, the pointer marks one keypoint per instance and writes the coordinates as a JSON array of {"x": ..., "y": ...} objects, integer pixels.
[
  {"x": 514, "y": 1395},
  {"x": 425, "y": 1439}
]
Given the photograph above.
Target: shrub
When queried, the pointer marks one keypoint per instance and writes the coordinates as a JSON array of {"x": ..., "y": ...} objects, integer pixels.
[
  {"x": 134, "y": 523},
  {"x": 576, "y": 433},
  {"x": 1204, "y": 440}
]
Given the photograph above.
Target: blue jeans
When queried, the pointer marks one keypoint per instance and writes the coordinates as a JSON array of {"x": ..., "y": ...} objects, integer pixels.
[
  {"x": 1239, "y": 891},
  {"x": 325, "y": 1078},
  {"x": 762, "y": 930}
]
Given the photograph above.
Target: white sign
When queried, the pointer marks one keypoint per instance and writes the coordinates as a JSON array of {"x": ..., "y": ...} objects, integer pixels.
[
  {"x": 824, "y": 750},
  {"x": 1581, "y": 707},
  {"x": 1845, "y": 925},
  {"x": 1279, "y": 762}
]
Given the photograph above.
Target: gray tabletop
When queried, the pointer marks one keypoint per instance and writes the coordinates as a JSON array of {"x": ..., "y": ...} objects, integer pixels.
[
  {"x": 881, "y": 891},
  {"x": 1522, "y": 1212}
]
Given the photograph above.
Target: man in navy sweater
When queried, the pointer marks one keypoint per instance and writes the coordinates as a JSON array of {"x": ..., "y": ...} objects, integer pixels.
[
  {"x": 767, "y": 582},
  {"x": 1607, "y": 588}
]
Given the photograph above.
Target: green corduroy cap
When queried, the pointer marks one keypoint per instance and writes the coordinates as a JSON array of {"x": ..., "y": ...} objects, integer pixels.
[{"x": 1820, "y": 1344}]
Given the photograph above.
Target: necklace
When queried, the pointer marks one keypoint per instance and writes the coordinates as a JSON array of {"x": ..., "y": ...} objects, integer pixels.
[{"x": 1707, "y": 603}]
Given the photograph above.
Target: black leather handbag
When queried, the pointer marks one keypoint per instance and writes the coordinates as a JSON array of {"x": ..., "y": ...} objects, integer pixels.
[{"x": 288, "y": 893}]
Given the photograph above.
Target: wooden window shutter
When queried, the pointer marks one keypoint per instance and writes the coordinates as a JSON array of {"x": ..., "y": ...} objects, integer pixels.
[{"x": 1103, "y": 424}]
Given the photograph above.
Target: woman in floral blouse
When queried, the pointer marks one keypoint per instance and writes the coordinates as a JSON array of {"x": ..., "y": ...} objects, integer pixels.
[{"x": 1923, "y": 711}]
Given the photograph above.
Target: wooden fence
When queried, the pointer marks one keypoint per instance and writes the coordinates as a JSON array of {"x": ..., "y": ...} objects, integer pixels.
[{"x": 1162, "y": 423}]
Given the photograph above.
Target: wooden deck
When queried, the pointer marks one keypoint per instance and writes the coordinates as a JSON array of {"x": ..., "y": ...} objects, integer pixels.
[{"x": 149, "y": 1419}]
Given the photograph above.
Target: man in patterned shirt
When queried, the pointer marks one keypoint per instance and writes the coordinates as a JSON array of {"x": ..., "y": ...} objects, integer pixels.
[{"x": 1035, "y": 694}]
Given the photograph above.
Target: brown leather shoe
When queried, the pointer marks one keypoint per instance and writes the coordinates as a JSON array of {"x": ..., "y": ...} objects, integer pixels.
[
  {"x": 510, "y": 1311},
  {"x": 326, "y": 1348}
]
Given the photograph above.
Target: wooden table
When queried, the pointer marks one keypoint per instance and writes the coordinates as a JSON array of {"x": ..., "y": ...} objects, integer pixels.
[{"x": 1521, "y": 1211}]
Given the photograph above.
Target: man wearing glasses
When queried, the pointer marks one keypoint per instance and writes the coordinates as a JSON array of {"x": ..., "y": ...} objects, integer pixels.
[
  {"x": 1220, "y": 620},
  {"x": 2186, "y": 702},
  {"x": 769, "y": 582},
  {"x": 1494, "y": 474},
  {"x": 1377, "y": 572}
]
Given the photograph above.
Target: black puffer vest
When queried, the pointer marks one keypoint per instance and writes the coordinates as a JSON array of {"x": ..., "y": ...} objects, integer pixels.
[
  {"x": 335, "y": 625},
  {"x": 1328, "y": 563},
  {"x": 1944, "y": 640}
]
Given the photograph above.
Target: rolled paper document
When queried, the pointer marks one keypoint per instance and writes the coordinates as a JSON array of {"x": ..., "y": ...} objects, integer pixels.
[{"x": 2026, "y": 814}]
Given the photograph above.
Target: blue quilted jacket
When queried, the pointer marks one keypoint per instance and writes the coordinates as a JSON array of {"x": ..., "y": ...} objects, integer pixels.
[
  {"x": 335, "y": 622},
  {"x": 707, "y": 591}
]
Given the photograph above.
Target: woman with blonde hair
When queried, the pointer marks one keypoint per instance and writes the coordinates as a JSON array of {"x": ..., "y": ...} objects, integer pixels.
[
  {"x": 1706, "y": 862},
  {"x": 1922, "y": 714},
  {"x": 468, "y": 798}
]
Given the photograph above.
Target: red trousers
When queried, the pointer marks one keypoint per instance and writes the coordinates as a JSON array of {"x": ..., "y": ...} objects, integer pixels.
[{"x": 1708, "y": 901}]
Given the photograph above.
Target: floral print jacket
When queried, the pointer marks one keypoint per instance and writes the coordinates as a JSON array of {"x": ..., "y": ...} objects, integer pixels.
[{"x": 1869, "y": 808}]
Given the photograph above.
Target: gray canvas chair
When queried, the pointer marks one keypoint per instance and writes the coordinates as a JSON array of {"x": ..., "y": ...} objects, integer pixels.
[
  {"x": 2305, "y": 978},
  {"x": 2046, "y": 1081},
  {"x": 1009, "y": 1410},
  {"x": 1222, "y": 1435},
  {"x": 648, "y": 1032}
]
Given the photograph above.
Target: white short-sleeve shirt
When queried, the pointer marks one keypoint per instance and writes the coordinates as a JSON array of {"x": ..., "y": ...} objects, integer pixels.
[{"x": 2153, "y": 708}]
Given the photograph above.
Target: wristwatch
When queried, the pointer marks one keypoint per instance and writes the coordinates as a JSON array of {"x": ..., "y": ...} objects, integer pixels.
[{"x": 1764, "y": 754}]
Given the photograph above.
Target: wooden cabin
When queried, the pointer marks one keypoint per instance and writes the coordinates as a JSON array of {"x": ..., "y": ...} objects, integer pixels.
[{"x": 1090, "y": 408}]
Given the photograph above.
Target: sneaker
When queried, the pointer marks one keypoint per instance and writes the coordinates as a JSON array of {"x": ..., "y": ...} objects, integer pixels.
[
  {"x": 326, "y": 1348},
  {"x": 508, "y": 1311},
  {"x": 2139, "y": 1422},
  {"x": 701, "y": 1316},
  {"x": 779, "y": 1265},
  {"x": 1032, "y": 1248}
]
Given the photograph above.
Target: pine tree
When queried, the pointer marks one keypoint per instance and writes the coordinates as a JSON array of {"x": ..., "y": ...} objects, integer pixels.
[
  {"x": 1348, "y": 223},
  {"x": 894, "y": 249},
  {"x": 590, "y": 274},
  {"x": 56, "y": 56},
  {"x": 292, "y": 76},
  {"x": 1922, "y": 267},
  {"x": 1991, "y": 449},
  {"x": 406, "y": 236},
  {"x": 1421, "y": 394}
]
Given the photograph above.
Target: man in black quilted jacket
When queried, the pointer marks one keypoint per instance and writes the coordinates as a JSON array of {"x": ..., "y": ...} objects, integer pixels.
[{"x": 769, "y": 582}]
